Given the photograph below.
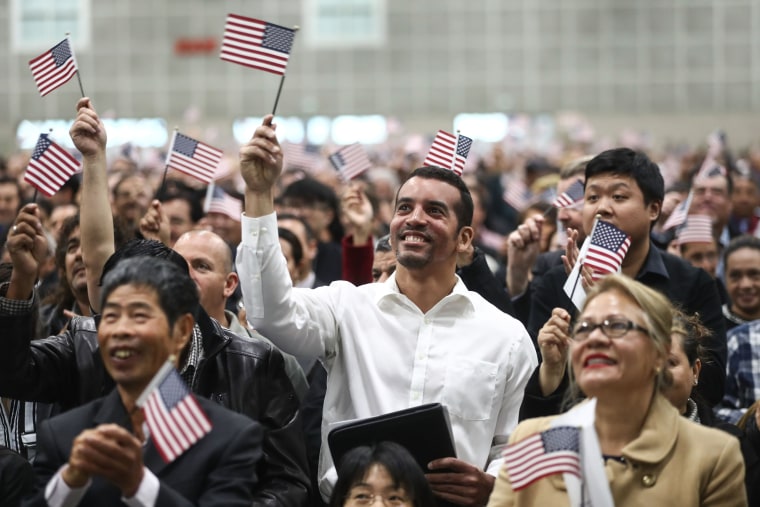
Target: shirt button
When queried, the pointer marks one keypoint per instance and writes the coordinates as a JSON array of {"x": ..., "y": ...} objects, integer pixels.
[
  {"x": 264, "y": 229},
  {"x": 254, "y": 233},
  {"x": 648, "y": 480},
  {"x": 427, "y": 320}
]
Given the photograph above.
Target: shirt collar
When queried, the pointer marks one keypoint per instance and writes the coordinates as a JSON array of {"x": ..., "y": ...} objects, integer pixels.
[
  {"x": 389, "y": 291},
  {"x": 653, "y": 264},
  {"x": 658, "y": 435}
]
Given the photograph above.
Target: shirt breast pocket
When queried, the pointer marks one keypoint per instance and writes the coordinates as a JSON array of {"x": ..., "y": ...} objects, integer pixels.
[{"x": 469, "y": 389}]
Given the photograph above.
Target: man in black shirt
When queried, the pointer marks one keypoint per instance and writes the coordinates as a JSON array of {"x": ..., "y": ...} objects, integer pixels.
[{"x": 626, "y": 189}]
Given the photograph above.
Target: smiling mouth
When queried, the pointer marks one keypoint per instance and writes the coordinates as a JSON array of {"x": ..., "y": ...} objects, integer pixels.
[{"x": 598, "y": 362}]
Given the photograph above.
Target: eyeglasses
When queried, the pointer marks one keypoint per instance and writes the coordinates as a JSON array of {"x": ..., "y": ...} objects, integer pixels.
[
  {"x": 364, "y": 498},
  {"x": 615, "y": 327}
]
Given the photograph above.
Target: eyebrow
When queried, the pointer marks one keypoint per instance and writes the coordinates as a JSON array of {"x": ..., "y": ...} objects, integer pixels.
[
  {"x": 613, "y": 186},
  {"x": 137, "y": 305},
  {"x": 430, "y": 202}
]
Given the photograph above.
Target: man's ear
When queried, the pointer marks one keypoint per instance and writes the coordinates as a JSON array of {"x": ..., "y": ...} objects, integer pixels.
[
  {"x": 182, "y": 332},
  {"x": 230, "y": 284},
  {"x": 654, "y": 209},
  {"x": 465, "y": 237}
]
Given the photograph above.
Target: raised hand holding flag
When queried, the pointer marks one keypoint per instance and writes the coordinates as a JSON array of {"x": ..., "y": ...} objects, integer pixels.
[{"x": 603, "y": 252}]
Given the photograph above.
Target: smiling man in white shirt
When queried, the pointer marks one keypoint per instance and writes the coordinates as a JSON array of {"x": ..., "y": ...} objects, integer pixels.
[{"x": 419, "y": 337}]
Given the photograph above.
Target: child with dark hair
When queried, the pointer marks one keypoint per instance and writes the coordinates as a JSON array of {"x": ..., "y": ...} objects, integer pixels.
[{"x": 385, "y": 470}]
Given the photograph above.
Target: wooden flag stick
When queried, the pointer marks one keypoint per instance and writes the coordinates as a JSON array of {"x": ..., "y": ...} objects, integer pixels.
[
  {"x": 279, "y": 91},
  {"x": 79, "y": 78},
  {"x": 162, "y": 188}
]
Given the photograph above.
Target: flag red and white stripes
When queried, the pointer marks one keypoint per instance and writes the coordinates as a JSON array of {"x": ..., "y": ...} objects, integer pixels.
[
  {"x": 50, "y": 166},
  {"x": 553, "y": 451},
  {"x": 193, "y": 158},
  {"x": 678, "y": 216},
  {"x": 449, "y": 151},
  {"x": 257, "y": 44},
  {"x": 571, "y": 196},
  {"x": 696, "y": 229},
  {"x": 53, "y": 67},
  {"x": 606, "y": 250},
  {"x": 174, "y": 418},
  {"x": 350, "y": 161}
]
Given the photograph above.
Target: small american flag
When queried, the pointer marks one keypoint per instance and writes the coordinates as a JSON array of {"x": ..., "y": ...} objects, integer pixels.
[
  {"x": 50, "y": 166},
  {"x": 678, "y": 216},
  {"x": 174, "y": 418},
  {"x": 53, "y": 67},
  {"x": 606, "y": 250},
  {"x": 219, "y": 201},
  {"x": 696, "y": 229},
  {"x": 350, "y": 161},
  {"x": 449, "y": 151},
  {"x": 303, "y": 156},
  {"x": 571, "y": 196},
  {"x": 257, "y": 44},
  {"x": 193, "y": 157},
  {"x": 517, "y": 194},
  {"x": 553, "y": 451}
]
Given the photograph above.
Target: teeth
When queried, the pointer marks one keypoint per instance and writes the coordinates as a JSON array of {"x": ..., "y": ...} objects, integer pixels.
[
  {"x": 414, "y": 239},
  {"x": 598, "y": 361},
  {"x": 123, "y": 354}
]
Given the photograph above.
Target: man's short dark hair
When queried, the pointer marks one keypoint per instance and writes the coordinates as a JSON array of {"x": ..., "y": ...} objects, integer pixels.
[
  {"x": 633, "y": 164},
  {"x": 739, "y": 242},
  {"x": 462, "y": 209},
  {"x": 144, "y": 248},
  {"x": 192, "y": 200},
  {"x": 176, "y": 291},
  {"x": 384, "y": 244},
  {"x": 10, "y": 180}
]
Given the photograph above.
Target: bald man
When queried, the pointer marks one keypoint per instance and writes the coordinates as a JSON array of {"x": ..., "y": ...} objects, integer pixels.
[{"x": 210, "y": 262}]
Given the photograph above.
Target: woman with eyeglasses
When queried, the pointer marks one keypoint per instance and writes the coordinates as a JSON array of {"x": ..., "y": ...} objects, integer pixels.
[
  {"x": 385, "y": 474},
  {"x": 644, "y": 452}
]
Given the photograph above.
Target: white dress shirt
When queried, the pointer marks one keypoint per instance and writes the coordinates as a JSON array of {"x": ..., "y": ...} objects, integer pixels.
[
  {"x": 383, "y": 354},
  {"x": 60, "y": 494}
]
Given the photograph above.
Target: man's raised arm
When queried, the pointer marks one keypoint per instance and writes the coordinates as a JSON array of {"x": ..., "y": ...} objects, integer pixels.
[{"x": 89, "y": 137}]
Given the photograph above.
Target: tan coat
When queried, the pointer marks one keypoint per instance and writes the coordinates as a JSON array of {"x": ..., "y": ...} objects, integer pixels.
[{"x": 674, "y": 462}]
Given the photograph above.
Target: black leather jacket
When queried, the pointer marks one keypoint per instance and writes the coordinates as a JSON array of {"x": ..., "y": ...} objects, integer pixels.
[{"x": 244, "y": 375}]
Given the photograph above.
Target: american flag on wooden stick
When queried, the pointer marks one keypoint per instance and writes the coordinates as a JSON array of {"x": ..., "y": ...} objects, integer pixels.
[
  {"x": 554, "y": 451},
  {"x": 193, "y": 158},
  {"x": 174, "y": 418}
]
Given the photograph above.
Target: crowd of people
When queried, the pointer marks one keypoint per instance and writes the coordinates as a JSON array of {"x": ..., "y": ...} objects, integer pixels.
[{"x": 291, "y": 301}]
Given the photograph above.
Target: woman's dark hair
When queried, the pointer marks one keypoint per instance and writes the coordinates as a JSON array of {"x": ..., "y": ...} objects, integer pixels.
[{"x": 400, "y": 465}]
